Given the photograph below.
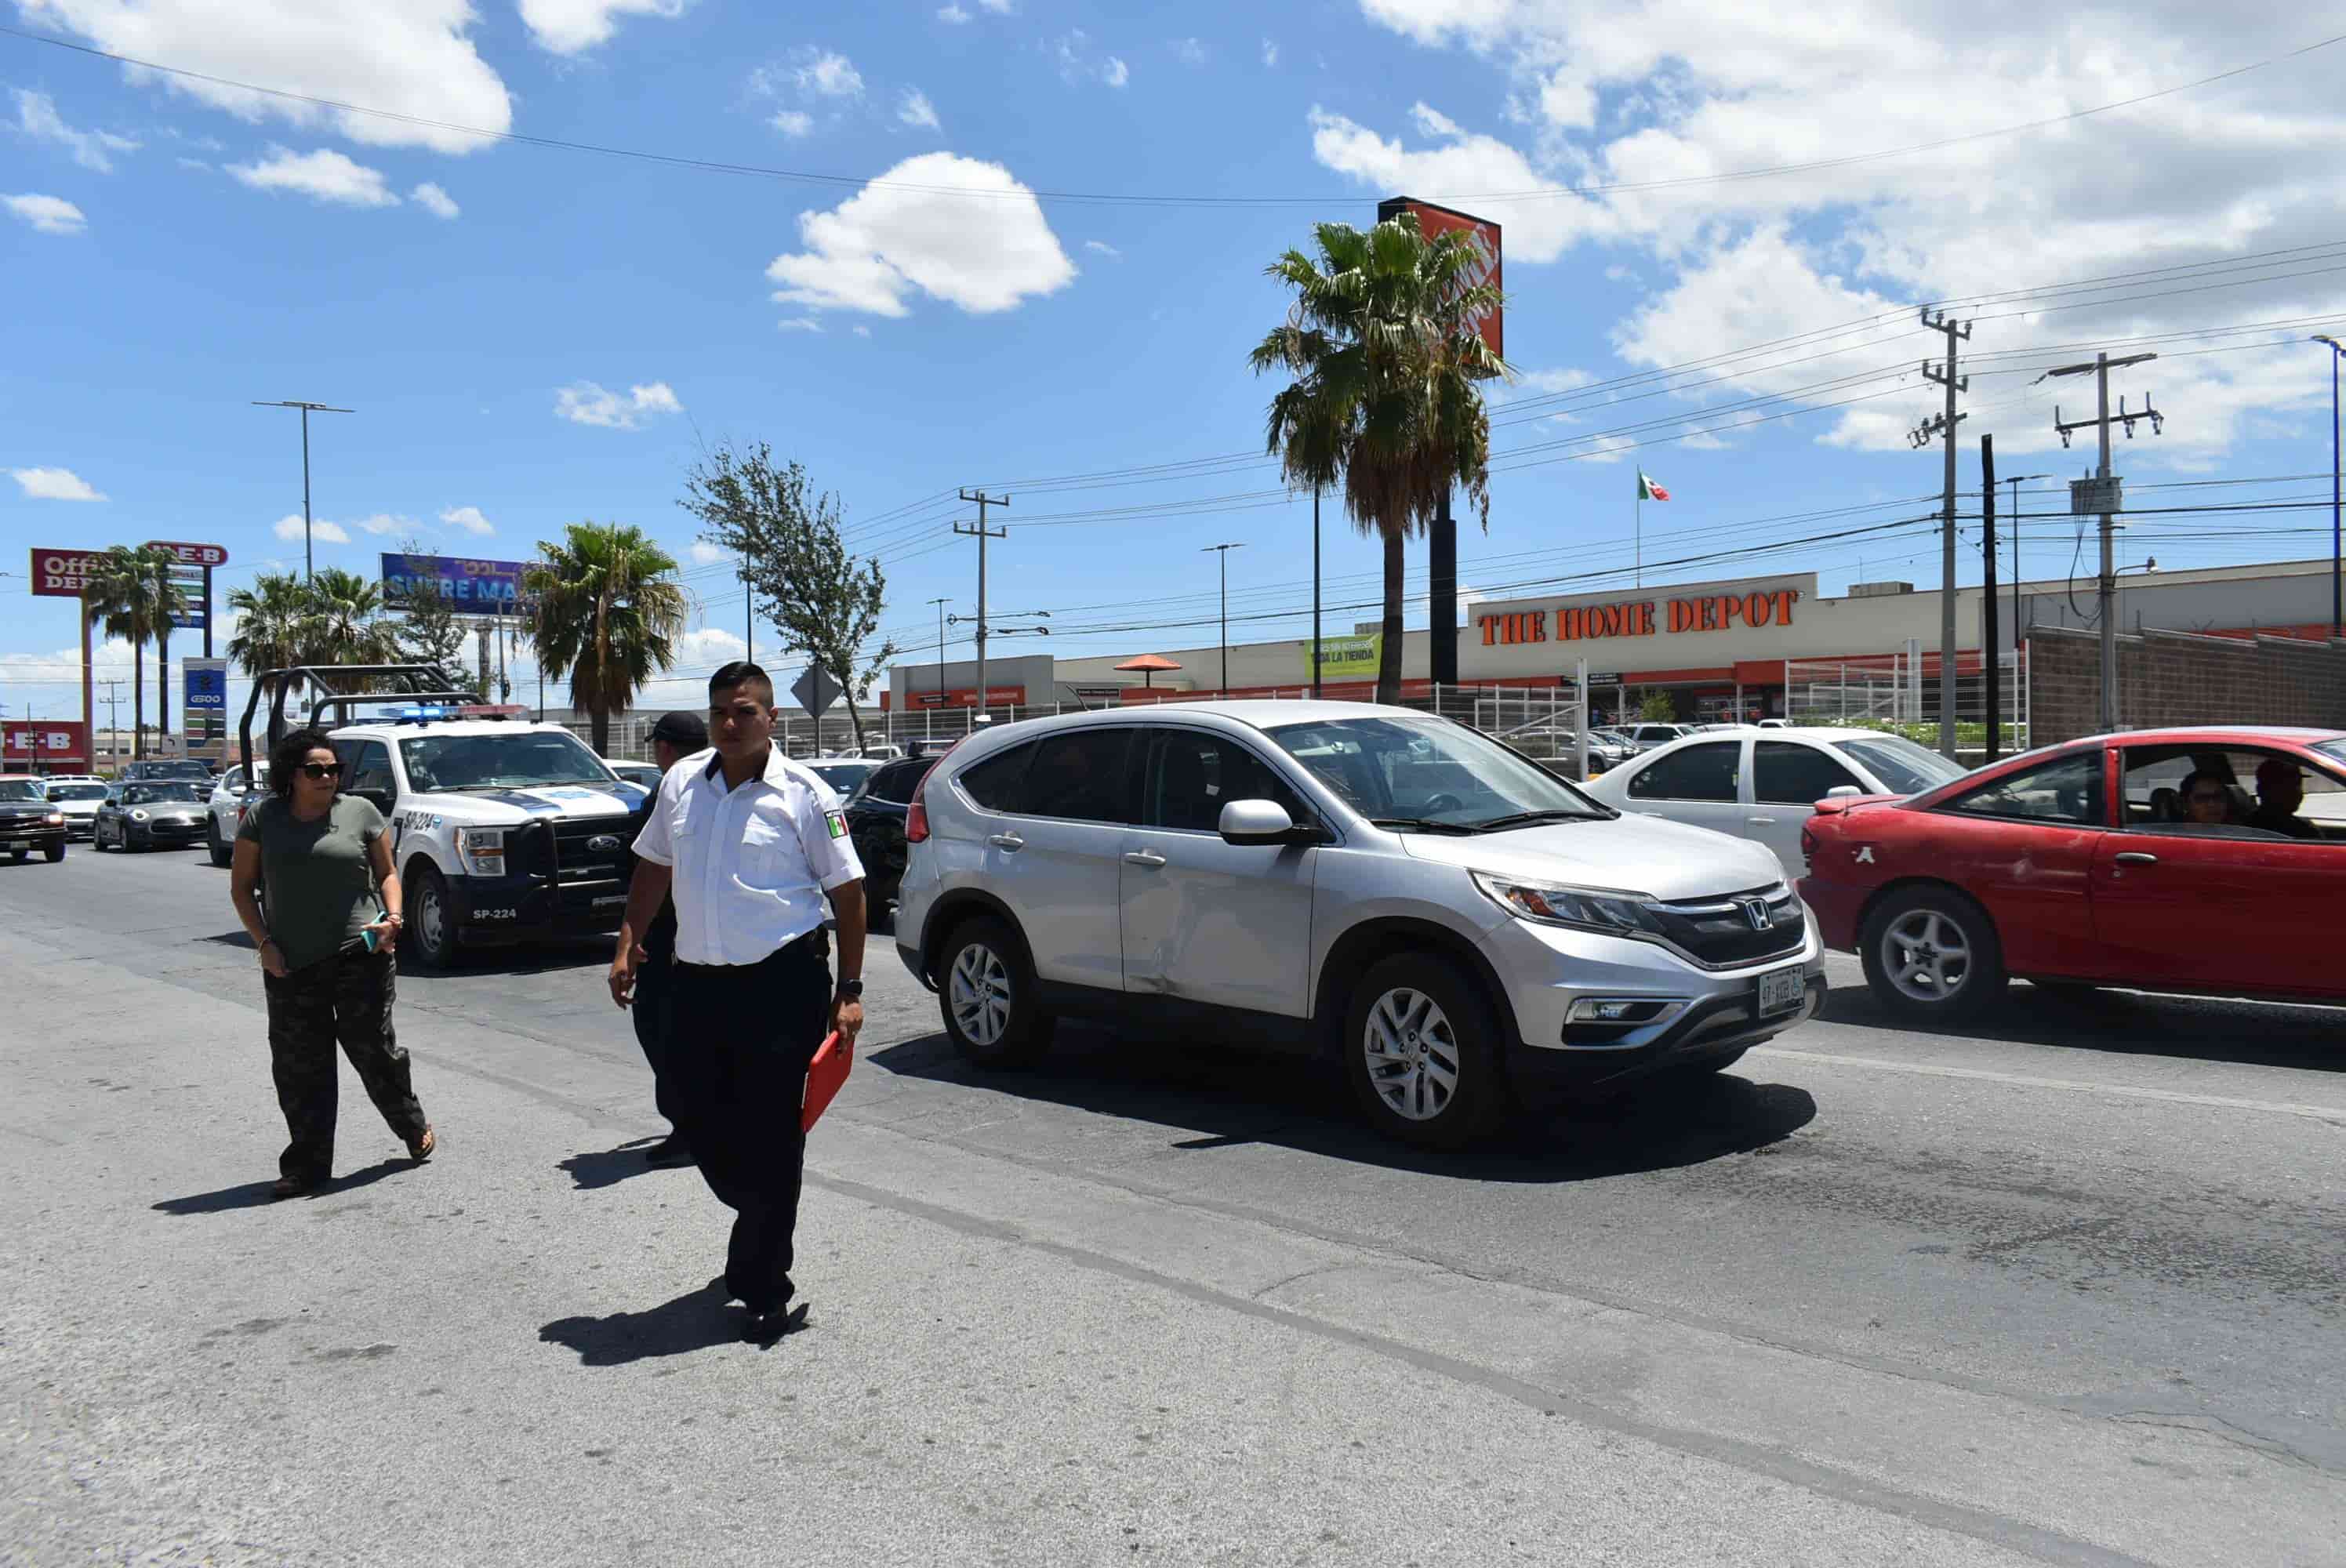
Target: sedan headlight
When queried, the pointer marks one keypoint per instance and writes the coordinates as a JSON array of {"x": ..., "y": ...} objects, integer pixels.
[
  {"x": 482, "y": 850},
  {"x": 1609, "y": 910},
  {"x": 138, "y": 816}
]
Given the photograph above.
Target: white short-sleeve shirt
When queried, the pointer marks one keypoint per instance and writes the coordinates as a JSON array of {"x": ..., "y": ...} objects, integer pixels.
[{"x": 751, "y": 865}]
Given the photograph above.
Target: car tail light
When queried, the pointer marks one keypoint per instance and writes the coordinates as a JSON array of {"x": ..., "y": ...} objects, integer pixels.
[{"x": 916, "y": 822}]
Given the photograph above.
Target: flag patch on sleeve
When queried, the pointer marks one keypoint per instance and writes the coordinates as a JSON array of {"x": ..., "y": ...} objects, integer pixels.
[{"x": 837, "y": 823}]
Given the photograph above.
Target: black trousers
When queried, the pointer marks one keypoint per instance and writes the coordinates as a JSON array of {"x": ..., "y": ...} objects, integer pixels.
[
  {"x": 740, "y": 1040},
  {"x": 654, "y": 1014},
  {"x": 345, "y": 999}
]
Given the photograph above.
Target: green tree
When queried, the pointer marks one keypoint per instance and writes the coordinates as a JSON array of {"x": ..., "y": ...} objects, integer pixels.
[
  {"x": 1657, "y": 707},
  {"x": 346, "y": 624},
  {"x": 608, "y": 607},
  {"x": 825, "y": 602},
  {"x": 427, "y": 630},
  {"x": 1384, "y": 354},
  {"x": 134, "y": 597}
]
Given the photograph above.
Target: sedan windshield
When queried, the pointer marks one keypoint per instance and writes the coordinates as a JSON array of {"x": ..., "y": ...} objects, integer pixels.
[
  {"x": 77, "y": 791},
  {"x": 159, "y": 792},
  {"x": 2331, "y": 748},
  {"x": 844, "y": 777},
  {"x": 523, "y": 759},
  {"x": 1429, "y": 774},
  {"x": 1903, "y": 767}
]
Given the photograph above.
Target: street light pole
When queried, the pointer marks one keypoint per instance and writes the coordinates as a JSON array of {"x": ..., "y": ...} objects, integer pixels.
[
  {"x": 2337, "y": 534},
  {"x": 1224, "y": 552},
  {"x": 940, "y": 605},
  {"x": 308, "y": 560}
]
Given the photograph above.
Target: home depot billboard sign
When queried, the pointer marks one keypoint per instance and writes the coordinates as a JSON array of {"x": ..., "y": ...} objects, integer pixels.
[
  {"x": 1641, "y": 617},
  {"x": 1433, "y": 220}
]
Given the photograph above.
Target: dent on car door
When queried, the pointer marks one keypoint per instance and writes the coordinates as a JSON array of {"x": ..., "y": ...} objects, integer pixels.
[
  {"x": 1205, "y": 920},
  {"x": 1057, "y": 810}
]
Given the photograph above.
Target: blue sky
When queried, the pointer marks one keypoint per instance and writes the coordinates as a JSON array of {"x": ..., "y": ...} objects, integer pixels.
[{"x": 533, "y": 336}]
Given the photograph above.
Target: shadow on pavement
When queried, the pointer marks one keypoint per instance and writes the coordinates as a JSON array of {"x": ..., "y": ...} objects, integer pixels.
[
  {"x": 609, "y": 1168},
  {"x": 1221, "y": 1097},
  {"x": 255, "y": 1193},
  {"x": 2192, "y": 1028},
  {"x": 693, "y": 1321}
]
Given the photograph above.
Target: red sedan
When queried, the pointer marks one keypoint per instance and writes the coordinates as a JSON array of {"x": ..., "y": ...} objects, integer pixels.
[{"x": 2208, "y": 860}]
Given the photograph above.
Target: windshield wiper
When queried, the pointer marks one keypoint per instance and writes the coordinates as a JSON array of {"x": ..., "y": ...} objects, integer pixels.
[
  {"x": 1526, "y": 819},
  {"x": 1419, "y": 824}
]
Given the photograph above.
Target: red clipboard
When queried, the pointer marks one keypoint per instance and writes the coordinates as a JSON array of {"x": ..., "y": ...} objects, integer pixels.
[{"x": 825, "y": 1073}]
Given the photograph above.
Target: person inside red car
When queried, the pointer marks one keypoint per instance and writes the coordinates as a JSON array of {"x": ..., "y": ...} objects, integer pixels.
[
  {"x": 2280, "y": 790},
  {"x": 2207, "y": 801}
]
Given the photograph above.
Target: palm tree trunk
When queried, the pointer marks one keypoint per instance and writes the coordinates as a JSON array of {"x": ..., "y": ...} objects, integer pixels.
[
  {"x": 138, "y": 699},
  {"x": 1389, "y": 650},
  {"x": 598, "y": 724}
]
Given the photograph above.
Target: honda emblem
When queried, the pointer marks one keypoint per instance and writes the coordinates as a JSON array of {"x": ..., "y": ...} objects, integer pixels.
[{"x": 1756, "y": 911}]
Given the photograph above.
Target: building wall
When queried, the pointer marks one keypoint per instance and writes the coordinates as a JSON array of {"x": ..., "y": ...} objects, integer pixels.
[{"x": 2180, "y": 677}]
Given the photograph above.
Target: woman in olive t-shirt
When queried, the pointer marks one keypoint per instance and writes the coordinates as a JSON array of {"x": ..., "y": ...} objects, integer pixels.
[{"x": 327, "y": 947}]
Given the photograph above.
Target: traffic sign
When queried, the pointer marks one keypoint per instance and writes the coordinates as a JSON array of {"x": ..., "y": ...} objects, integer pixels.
[{"x": 816, "y": 689}]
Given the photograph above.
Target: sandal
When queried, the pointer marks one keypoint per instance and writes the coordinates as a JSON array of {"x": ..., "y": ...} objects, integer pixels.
[{"x": 421, "y": 1146}]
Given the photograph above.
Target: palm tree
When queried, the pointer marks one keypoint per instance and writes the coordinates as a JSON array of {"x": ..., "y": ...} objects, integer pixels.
[
  {"x": 346, "y": 624},
  {"x": 273, "y": 617},
  {"x": 1384, "y": 347},
  {"x": 607, "y": 605},
  {"x": 133, "y": 595}
]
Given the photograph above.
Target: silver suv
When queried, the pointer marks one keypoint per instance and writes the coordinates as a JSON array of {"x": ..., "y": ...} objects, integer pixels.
[{"x": 1457, "y": 926}]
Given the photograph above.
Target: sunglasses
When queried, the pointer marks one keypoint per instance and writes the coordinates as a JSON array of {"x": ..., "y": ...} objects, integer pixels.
[{"x": 321, "y": 770}]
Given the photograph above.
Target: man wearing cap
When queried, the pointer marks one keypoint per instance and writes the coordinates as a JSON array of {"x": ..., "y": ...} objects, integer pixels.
[
  {"x": 2280, "y": 790},
  {"x": 676, "y": 736},
  {"x": 749, "y": 845}
]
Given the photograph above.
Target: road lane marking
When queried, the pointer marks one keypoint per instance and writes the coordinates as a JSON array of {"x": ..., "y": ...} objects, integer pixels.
[{"x": 2333, "y": 1115}]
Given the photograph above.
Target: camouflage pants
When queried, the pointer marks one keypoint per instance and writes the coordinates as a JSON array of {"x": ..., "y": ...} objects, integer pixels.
[{"x": 345, "y": 1000}]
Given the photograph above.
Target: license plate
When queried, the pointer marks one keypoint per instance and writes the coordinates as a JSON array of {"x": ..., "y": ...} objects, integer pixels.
[{"x": 1781, "y": 992}]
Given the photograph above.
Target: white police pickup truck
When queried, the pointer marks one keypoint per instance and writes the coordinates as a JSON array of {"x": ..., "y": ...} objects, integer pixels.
[{"x": 502, "y": 830}]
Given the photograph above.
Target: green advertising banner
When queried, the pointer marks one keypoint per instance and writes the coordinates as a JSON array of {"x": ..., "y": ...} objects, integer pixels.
[{"x": 1344, "y": 659}]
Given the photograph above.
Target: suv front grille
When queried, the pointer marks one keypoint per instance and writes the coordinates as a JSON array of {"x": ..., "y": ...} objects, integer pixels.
[
  {"x": 587, "y": 881},
  {"x": 1721, "y": 933}
]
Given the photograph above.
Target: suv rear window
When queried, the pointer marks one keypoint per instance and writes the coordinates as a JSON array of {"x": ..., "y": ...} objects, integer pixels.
[{"x": 998, "y": 783}]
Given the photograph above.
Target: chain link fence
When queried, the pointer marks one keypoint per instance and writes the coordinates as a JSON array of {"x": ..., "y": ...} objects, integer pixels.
[{"x": 1899, "y": 692}]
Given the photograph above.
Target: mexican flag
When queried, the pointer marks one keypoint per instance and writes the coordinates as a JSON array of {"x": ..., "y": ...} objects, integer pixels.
[{"x": 1649, "y": 490}]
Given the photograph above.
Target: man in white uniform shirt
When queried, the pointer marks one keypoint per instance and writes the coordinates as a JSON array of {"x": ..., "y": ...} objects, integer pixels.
[{"x": 749, "y": 845}]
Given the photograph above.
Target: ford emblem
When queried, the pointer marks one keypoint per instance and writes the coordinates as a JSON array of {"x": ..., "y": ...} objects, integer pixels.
[{"x": 603, "y": 843}]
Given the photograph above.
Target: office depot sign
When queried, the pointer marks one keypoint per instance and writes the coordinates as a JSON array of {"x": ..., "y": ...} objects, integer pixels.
[
  {"x": 1642, "y": 618},
  {"x": 64, "y": 574}
]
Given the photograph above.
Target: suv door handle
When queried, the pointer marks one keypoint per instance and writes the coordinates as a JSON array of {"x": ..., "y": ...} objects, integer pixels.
[
  {"x": 1148, "y": 857},
  {"x": 2135, "y": 857},
  {"x": 1005, "y": 840}
]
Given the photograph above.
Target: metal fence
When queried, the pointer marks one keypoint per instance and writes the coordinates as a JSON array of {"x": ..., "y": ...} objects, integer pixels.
[{"x": 1900, "y": 693}]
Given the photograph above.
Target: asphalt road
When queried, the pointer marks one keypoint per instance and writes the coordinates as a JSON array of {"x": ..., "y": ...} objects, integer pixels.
[{"x": 2069, "y": 1288}]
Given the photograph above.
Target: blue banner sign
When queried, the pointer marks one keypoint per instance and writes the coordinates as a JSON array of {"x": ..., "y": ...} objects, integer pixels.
[{"x": 471, "y": 587}]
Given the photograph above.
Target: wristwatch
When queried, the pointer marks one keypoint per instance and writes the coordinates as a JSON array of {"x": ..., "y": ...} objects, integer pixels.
[{"x": 852, "y": 989}]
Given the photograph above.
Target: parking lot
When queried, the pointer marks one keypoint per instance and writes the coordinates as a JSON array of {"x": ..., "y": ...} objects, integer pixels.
[{"x": 2067, "y": 1288}]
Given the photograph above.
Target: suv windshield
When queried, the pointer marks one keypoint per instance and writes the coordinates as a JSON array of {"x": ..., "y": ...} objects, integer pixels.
[
  {"x": 22, "y": 789},
  {"x": 515, "y": 759},
  {"x": 157, "y": 790},
  {"x": 1903, "y": 764},
  {"x": 77, "y": 791},
  {"x": 1429, "y": 771}
]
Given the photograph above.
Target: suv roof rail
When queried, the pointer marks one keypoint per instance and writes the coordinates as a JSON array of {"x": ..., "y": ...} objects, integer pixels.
[{"x": 375, "y": 683}]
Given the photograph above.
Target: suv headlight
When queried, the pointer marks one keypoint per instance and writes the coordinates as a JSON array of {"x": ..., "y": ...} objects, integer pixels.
[
  {"x": 1609, "y": 910},
  {"x": 56, "y": 819},
  {"x": 482, "y": 850}
]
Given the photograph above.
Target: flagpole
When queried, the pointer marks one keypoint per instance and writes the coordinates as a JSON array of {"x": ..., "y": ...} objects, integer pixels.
[{"x": 1641, "y": 531}]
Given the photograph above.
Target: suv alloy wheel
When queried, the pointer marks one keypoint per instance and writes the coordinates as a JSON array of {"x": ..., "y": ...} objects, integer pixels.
[
  {"x": 987, "y": 996},
  {"x": 1420, "y": 1046}
]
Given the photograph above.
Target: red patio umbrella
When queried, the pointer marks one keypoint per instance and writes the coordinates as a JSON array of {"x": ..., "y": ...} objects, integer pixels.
[{"x": 1149, "y": 665}]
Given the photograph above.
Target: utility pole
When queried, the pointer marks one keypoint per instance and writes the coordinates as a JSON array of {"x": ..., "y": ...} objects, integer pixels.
[
  {"x": 2012, "y": 516},
  {"x": 309, "y": 562},
  {"x": 1989, "y": 651},
  {"x": 2337, "y": 511},
  {"x": 1944, "y": 426},
  {"x": 1224, "y": 552},
  {"x": 1315, "y": 592},
  {"x": 2104, "y": 494},
  {"x": 982, "y": 533},
  {"x": 113, "y": 719},
  {"x": 940, "y": 604}
]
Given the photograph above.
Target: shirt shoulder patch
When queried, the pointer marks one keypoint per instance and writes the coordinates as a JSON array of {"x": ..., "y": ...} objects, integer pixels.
[{"x": 837, "y": 823}]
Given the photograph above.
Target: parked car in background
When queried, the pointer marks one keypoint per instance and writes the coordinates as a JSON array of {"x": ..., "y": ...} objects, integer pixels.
[
  {"x": 232, "y": 793},
  {"x": 176, "y": 767},
  {"x": 1645, "y": 737},
  {"x": 161, "y": 813},
  {"x": 844, "y": 774},
  {"x": 644, "y": 773},
  {"x": 875, "y": 823},
  {"x": 78, "y": 800},
  {"x": 1763, "y": 785},
  {"x": 2205, "y": 860},
  {"x": 1452, "y": 924},
  {"x": 29, "y": 821}
]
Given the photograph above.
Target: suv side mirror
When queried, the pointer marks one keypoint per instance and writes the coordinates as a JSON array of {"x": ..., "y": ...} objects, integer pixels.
[
  {"x": 1251, "y": 822},
  {"x": 378, "y": 799}
]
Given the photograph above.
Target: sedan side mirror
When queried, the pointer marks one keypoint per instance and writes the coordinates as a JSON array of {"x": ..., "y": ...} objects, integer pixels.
[
  {"x": 1246, "y": 822},
  {"x": 1843, "y": 791}
]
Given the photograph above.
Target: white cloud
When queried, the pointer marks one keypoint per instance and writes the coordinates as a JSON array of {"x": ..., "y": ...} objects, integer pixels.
[
  {"x": 1116, "y": 73},
  {"x": 999, "y": 7},
  {"x": 1074, "y": 51},
  {"x": 411, "y": 56},
  {"x": 435, "y": 200},
  {"x": 831, "y": 76},
  {"x": 705, "y": 553},
  {"x": 289, "y": 528},
  {"x": 53, "y": 485},
  {"x": 574, "y": 26},
  {"x": 792, "y": 122},
  {"x": 799, "y": 324},
  {"x": 953, "y": 15},
  {"x": 1102, "y": 247},
  {"x": 46, "y": 214},
  {"x": 198, "y": 164},
  {"x": 468, "y": 518},
  {"x": 1189, "y": 51},
  {"x": 983, "y": 251},
  {"x": 916, "y": 110},
  {"x": 1453, "y": 174},
  {"x": 37, "y": 116},
  {"x": 586, "y": 402},
  {"x": 383, "y": 523},
  {"x": 1270, "y": 51},
  {"x": 324, "y": 175}
]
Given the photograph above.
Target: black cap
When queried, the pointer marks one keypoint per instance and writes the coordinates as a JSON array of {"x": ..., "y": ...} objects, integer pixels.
[{"x": 685, "y": 731}]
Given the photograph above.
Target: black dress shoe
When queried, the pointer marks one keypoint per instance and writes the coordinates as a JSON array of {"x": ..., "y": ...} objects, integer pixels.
[
  {"x": 765, "y": 1328},
  {"x": 671, "y": 1150}
]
